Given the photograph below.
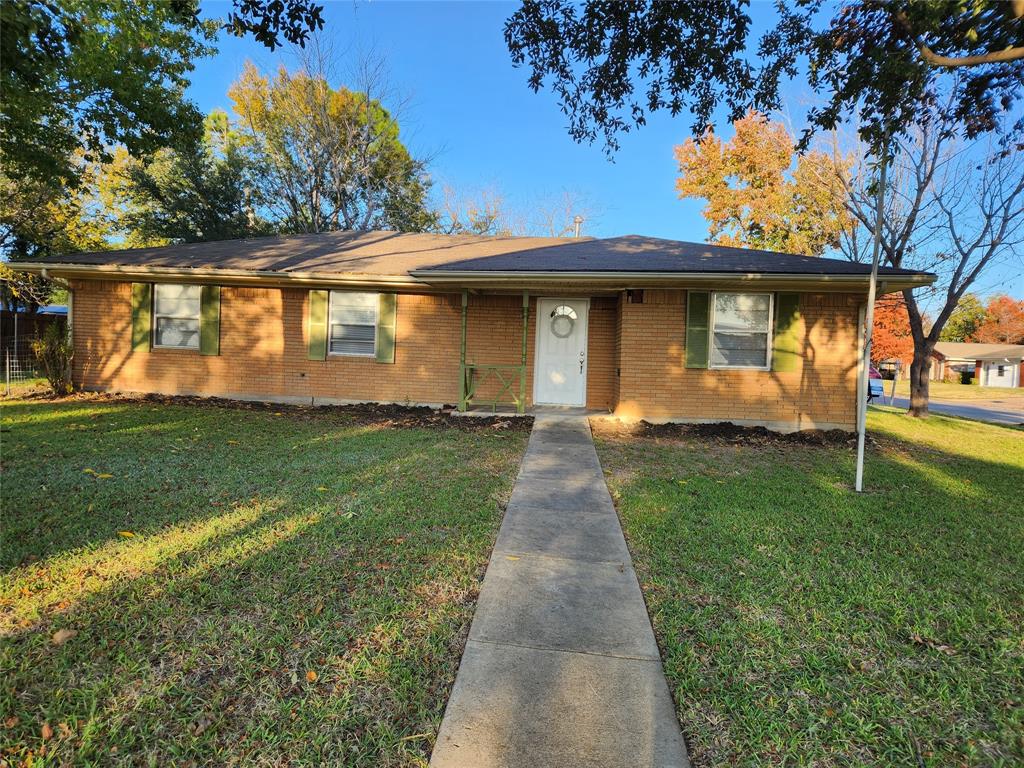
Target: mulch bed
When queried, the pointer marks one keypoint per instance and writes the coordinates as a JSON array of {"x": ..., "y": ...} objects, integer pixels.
[
  {"x": 727, "y": 432},
  {"x": 372, "y": 414}
]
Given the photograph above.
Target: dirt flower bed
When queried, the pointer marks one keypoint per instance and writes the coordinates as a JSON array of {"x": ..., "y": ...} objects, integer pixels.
[
  {"x": 378, "y": 414},
  {"x": 723, "y": 431}
]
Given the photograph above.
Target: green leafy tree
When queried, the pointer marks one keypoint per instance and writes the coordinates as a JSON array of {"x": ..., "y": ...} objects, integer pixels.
[
  {"x": 611, "y": 64},
  {"x": 200, "y": 191},
  {"x": 90, "y": 74},
  {"x": 39, "y": 219},
  {"x": 328, "y": 158},
  {"x": 964, "y": 320},
  {"x": 759, "y": 194}
]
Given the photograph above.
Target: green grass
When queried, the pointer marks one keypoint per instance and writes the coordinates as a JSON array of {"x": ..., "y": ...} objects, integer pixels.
[
  {"x": 944, "y": 390},
  {"x": 804, "y": 624},
  {"x": 244, "y": 587}
]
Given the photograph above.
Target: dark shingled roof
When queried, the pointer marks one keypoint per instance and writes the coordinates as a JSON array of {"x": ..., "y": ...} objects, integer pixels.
[
  {"x": 397, "y": 254},
  {"x": 634, "y": 253}
]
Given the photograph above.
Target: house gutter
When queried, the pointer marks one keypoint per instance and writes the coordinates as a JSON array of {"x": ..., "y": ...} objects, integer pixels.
[
  {"x": 468, "y": 278},
  {"x": 888, "y": 283},
  {"x": 209, "y": 275}
]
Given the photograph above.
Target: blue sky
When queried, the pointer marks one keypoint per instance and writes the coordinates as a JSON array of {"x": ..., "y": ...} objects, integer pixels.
[{"x": 471, "y": 111}]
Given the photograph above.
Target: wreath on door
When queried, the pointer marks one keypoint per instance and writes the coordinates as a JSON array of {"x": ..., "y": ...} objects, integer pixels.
[{"x": 563, "y": 320}]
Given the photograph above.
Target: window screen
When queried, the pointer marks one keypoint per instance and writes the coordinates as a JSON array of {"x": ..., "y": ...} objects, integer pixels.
[
  {"x": 176, "y": 316},
  {"x": 353, "y": 323},
  {"x": 740, "y": 330}
]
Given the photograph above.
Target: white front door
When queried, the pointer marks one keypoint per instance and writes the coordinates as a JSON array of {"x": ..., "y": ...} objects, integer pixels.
[{"x": 560, "y": 375}]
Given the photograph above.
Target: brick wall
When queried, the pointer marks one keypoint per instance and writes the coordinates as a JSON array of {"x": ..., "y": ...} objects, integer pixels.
[
  {"x": 654, "y": 382},
  {"x": 263, "y": 349},
  {"x": 264, "y": 355}
]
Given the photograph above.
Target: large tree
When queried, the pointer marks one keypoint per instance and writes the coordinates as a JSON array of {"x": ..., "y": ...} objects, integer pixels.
[
  {"x": 612, "y": 63},
  {"x": 89, "y": 74},
  {"x": 950, "y": 209},
  {"x": 758, "y": 195},
  {"x": 329, "y": 158},
  {"x": 199, "y": 191}
]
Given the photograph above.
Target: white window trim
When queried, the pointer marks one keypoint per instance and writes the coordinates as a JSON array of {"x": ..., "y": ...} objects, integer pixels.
[
  {"x": 376, "y": 324},
  {"x": 771, "y": 331},
  {"x": 153, "y": 329}
]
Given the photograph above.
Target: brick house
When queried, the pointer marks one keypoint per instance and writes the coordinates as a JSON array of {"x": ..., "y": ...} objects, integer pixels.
[{"x": 635, "y": 326}]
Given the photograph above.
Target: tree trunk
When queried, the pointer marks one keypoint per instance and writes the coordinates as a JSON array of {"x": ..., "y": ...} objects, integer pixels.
[{"x": 919, "y": 381}]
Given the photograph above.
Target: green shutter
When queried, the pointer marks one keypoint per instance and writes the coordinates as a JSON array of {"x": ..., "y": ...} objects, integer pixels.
[
  {"x": 786, "y": 340},
  {"x": 209, "y": 320},
  {"x": 142, "y": 316},
  {"x": 386, "y": 307},
  {"x": 698, "y": 308},
  {"x": 318, "y": 325}
]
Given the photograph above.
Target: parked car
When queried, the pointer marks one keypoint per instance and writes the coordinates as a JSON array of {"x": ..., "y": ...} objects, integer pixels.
[{"x": 874, "y": 383}]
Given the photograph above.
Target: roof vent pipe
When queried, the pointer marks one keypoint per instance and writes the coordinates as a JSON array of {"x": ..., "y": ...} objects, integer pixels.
[{"x": 578, "y": 221}]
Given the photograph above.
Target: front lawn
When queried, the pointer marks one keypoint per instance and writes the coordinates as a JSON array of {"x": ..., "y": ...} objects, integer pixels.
[
  {"x": 944, "y": 390},
  {"x": 804, "y": 624},
  {"x": 197, "y": 584}
]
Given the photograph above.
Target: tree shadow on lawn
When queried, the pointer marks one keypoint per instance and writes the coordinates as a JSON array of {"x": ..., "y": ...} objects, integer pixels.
[
  {"x": 77, "y": 474},
  {"x": 292, "y": 625},
  {"x": 801, "y": 622}
]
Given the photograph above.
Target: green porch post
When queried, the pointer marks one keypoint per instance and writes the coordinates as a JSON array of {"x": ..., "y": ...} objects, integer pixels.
[
  {"x": 463, "y": 394},
  {"x": 521, "y": 405}
]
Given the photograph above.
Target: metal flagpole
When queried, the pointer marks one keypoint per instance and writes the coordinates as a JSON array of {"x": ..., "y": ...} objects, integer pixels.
[{"x": 869, "y": 319}]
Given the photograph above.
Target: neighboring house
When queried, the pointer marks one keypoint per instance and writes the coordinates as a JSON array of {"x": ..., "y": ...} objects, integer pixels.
[
  {"x": 633, "y": 325},
  {"x": 991, "y": 365}
]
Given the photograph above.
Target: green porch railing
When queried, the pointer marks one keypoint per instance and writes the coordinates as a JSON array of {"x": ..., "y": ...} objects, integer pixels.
[{"x": 506, "y": 376}]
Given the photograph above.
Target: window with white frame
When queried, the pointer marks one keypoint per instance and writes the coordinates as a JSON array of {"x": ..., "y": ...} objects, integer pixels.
[
  {"x": 353, "y": 323},
  {"x": 741, "y": 329},
  {"x": 176, "y": 316}
]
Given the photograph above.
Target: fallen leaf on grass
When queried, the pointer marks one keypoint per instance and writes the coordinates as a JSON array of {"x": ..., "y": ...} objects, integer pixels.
[
  {"x": 61, "y": 636},
  {"x": 47, "y": 732},
  {"x": 946, "y": 649},
  {"x": 126, "y": 534},
  {"x": 104, "y": 476},
  {"x": 11, "y": 721},
  {"x": 311, "y": 676},
  {"x": 89, "y": 471},
  {"x": 232, "y": 442},
  {"x": 322, "y": 488}
]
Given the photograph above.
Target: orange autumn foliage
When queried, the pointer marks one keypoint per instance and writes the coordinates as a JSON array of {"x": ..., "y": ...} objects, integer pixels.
[
  {"x": 760, "y": 193},
  {"x": 891, "y": 338},
  {"x": 1003, "y": 324}
]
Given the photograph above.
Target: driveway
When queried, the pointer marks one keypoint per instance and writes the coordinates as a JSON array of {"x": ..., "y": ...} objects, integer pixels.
[{"x": 1008, "y": 410}]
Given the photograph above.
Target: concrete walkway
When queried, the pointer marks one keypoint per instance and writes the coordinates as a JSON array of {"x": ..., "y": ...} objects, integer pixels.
[{"x": 561, "y": 667}]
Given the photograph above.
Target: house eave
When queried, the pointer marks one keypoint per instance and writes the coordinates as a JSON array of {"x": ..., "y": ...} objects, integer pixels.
[
  {"x": 213, "y": 275},
  {"x": 428, "y": 280},
  {"x": 623, "y": 280}
]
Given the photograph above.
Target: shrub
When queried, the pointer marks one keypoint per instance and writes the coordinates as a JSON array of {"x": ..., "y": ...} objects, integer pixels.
[{"x": 53, "y": 350}]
